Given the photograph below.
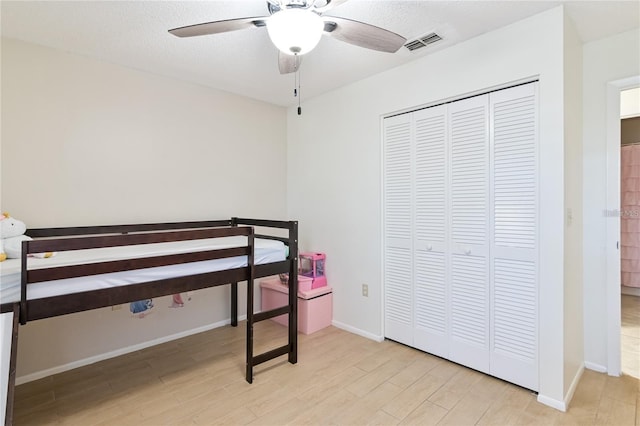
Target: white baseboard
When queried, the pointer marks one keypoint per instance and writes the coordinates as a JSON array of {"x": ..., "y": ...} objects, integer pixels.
[
  {"x": 595, "y": 367},
  {"x": 574, "y": 385},
  {"x": 357, "y": 331},
  {"x": 563, "y": 405},
  {"x": 122, "y": 351},
  {"x": 553, "y": 403}
]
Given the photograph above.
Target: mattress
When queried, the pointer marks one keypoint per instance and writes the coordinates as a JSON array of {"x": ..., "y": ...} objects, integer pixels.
[{"x": 266, "y": 251}]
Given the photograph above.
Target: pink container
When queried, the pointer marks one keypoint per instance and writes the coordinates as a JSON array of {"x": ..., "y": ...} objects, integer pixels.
[
  {"x": 312, "y": 265},
  {"x": 315, "y": 306}
]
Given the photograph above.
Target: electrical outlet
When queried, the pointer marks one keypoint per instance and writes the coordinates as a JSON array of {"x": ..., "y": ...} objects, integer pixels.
[
  {"x": 365, "y": 290},
  {"x": 116, "y": 307}
]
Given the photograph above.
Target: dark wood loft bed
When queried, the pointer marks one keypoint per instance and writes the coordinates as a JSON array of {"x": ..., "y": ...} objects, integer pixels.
[{"x": 90, "y": 237}]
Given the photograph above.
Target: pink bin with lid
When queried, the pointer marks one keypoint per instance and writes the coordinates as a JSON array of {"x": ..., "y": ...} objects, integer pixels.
[{"x": 315, "y": 306}]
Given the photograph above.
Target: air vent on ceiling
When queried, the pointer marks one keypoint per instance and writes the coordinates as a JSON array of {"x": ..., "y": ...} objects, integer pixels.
[{"x": 423, "y": 41}]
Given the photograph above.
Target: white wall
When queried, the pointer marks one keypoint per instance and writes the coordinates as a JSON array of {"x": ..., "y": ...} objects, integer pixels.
[
  {"x": 610, "y": 59},
  {"x": 334, "y": 170},
  {"x": 573, "y": 295},
  {"x": 86, "y": 142}
]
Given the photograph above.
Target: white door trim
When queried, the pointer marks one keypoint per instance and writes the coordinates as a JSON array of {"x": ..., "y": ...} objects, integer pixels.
[{"x": 613, "y": 223}]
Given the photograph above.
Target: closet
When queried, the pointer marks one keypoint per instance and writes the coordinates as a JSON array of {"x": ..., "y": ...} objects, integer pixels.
[{"x": 461, "y": 232}]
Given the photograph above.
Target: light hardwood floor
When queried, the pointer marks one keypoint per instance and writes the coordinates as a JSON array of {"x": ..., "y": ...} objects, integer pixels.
[
  {"x": 340, "y": 379},
  {"x": 630, "y": 335}
]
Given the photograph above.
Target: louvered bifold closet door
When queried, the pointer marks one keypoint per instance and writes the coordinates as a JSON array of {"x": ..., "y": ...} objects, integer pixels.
[
  {"x": 430, "y": 225},
  {"x": 514, "y": 248},
  {"x": 398, "y": 196},
  {"x": 469, "y": 232}
]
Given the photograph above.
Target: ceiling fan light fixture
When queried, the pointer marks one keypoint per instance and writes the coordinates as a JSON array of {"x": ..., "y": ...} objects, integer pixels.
[{"x": 295, "y": 31}]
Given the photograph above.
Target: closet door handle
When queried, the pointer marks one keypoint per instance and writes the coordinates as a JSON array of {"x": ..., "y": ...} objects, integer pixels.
[
  {"x": 429, "y": 247},
  {"x": 467, "y": 251}
]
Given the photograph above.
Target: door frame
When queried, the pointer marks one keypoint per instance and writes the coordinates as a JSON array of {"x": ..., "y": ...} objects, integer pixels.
[{"x": 614, "y": 300}]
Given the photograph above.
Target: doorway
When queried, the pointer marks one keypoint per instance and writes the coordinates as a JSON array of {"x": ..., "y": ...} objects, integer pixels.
[
  {"x": 613, "y": 287},
  {"x": 630, "y": 231}
]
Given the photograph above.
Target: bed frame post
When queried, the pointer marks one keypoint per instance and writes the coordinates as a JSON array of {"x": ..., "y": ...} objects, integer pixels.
[
  {"x": 252, "y": 275},
  {"x": 11, "y": 383},
  {"x": 293, "y": 294},
  {"x": 234, "y": 290},
  {"x": 23, "y": 283}
]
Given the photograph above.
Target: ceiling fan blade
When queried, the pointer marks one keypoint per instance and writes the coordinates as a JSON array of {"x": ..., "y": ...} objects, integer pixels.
[
  {"x": 328, "y": 4},
  {"x": 288, "y": 63},
  {"x": 216, "y": 27},
  {"x": 363, "y": 35}
]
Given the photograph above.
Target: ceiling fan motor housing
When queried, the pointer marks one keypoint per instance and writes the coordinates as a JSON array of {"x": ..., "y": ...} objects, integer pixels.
[
  {"x": 277, "y": 5},
  {"x": 295, "y": 31}
]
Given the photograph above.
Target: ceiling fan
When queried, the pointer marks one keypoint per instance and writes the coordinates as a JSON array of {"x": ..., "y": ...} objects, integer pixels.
[{"x": 296, "y": 26}]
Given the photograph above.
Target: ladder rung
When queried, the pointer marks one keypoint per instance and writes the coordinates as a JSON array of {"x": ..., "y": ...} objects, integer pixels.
[
  {"x": 274, "y": 353},
  {"x": 270, "y": 314}
]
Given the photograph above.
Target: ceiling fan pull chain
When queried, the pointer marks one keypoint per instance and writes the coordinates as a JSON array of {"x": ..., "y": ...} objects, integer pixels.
[
  {"x": 295, "y": 82},
  {"x": 299, "y": 86}
]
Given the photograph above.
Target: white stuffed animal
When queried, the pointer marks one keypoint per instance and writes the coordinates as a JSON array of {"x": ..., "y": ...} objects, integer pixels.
[{"x": 11, "y": 237}]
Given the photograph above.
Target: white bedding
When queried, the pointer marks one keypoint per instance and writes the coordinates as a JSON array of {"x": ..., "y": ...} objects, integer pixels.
[{"x": 266, "y": 251}]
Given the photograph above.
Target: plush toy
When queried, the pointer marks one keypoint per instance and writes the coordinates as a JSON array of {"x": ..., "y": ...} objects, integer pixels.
[{"x": 11, "y": 237}]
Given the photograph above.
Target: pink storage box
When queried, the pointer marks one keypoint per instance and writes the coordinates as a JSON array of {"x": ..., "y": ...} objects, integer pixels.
[{"x": 315, "y": 306}]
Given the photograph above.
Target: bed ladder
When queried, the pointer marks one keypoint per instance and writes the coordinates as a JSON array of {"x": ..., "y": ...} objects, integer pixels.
[
  {"x": 291, "y": 348},
  {"x": 290, "y": 309}
]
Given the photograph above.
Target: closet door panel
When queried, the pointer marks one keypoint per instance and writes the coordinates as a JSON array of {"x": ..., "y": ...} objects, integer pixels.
[
  {"x": 469, "y": 231},
  {"x": 469, "y": 177},
  {"x": 469, "y": 311},
  {"x": 514, "y": 248},
  {"x": 430, "y": 224},
  {"x": 514, "y": 323},
  {"x": 398, "y": 200}
]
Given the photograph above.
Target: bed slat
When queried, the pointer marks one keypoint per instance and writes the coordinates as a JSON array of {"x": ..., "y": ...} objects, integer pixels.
[
  {"x": 123, "y": 229},
  {"x": 274, "y": 353},
  {"x": 271, "y": 314},
  {"x": 64, "y": 244},
  {"x": 262, "y": 222},
  {"x": 268, "y": 269},
  {"x": 78, "y": 302}
]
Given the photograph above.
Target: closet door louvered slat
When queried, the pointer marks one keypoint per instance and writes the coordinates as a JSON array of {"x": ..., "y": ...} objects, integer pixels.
[
  {"x": 514, "y": 304},
  {"x": 430, "y": 224},
  {"x": 469, "y": 229},
  {"x": 398, "y": 265}
]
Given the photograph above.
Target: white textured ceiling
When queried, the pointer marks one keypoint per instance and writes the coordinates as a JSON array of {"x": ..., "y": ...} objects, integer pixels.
[{"x": 134, "y": 34}]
